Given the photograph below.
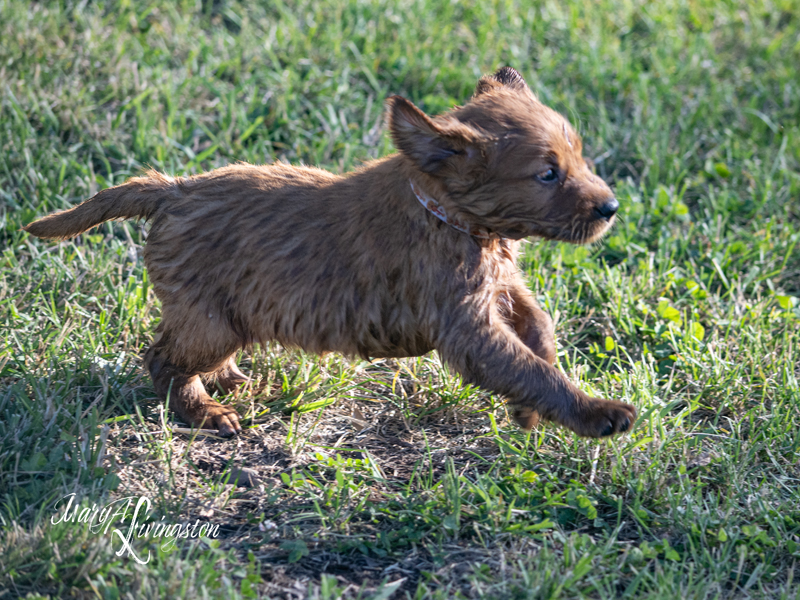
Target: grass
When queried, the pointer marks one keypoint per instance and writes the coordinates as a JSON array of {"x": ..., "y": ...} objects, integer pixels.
[{"x": 392, "y": 479}]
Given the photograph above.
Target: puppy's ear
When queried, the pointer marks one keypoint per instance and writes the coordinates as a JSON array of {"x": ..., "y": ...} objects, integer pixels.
[
  {"x": 505, "y": 77},
  {"x": 428, "y": 143},
  {"x": 510, "y": 78}
]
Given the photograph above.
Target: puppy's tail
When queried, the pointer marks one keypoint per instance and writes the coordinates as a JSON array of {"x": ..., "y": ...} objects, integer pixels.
[{"x": 139, "y": 197}]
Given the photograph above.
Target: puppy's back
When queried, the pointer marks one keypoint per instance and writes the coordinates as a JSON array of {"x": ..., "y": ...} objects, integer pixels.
[{"x": 294, "y": 254}]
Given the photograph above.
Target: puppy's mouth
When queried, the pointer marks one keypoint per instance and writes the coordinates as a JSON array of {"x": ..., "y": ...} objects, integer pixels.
[
  {"x": 516, "y": 232},
  {"x": 578, "y": 232}
]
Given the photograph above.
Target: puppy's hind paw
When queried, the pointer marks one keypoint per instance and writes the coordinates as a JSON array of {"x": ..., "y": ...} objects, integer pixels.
[
  {"x": 601, "y": 418},
  {"x": 223, "y": 418}
]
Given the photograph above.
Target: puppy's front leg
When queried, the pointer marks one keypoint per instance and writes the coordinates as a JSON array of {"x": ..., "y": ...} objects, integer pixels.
[
  {"x": 482, "y": 346},
  {"x": 535, "y": 328}
]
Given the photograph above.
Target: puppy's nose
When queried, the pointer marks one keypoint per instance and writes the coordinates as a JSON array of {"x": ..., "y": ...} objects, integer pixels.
[{"x": 608, "y": 209}]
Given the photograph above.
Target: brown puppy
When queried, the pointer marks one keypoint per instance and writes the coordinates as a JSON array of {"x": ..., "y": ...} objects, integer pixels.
[{"x": 413, "y": 252}]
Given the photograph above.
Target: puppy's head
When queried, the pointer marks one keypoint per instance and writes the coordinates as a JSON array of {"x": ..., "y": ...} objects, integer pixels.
[{"x": 505, "y": 162}]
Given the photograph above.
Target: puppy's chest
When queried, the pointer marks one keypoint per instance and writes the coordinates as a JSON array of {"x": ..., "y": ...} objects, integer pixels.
[{"x": 495, "y": 265}]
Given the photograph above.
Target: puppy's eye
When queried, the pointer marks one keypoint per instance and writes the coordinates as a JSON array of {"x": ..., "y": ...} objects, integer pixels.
[{"x": 548, "y": 176}]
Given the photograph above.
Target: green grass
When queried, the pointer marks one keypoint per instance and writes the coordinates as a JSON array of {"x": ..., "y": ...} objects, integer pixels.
[{"x": 392, "y": 478}]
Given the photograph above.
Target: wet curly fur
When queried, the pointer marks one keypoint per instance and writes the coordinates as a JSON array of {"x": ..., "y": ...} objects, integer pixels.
[{"x": 355, "y": 263}]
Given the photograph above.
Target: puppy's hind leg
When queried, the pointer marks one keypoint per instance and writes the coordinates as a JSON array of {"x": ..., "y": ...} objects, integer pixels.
[
  {"x": 229, "y": 377},
  {"x": 187, "y": 396}
]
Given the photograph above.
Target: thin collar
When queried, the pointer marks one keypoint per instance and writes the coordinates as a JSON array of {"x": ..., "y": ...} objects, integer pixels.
[{"x": 437, "y": 209}]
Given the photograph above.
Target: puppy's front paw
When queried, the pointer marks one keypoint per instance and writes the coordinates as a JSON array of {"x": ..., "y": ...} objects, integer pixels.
[
  {"x": 223, "y": 418},
  {"x": 601, "y": 418}
]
